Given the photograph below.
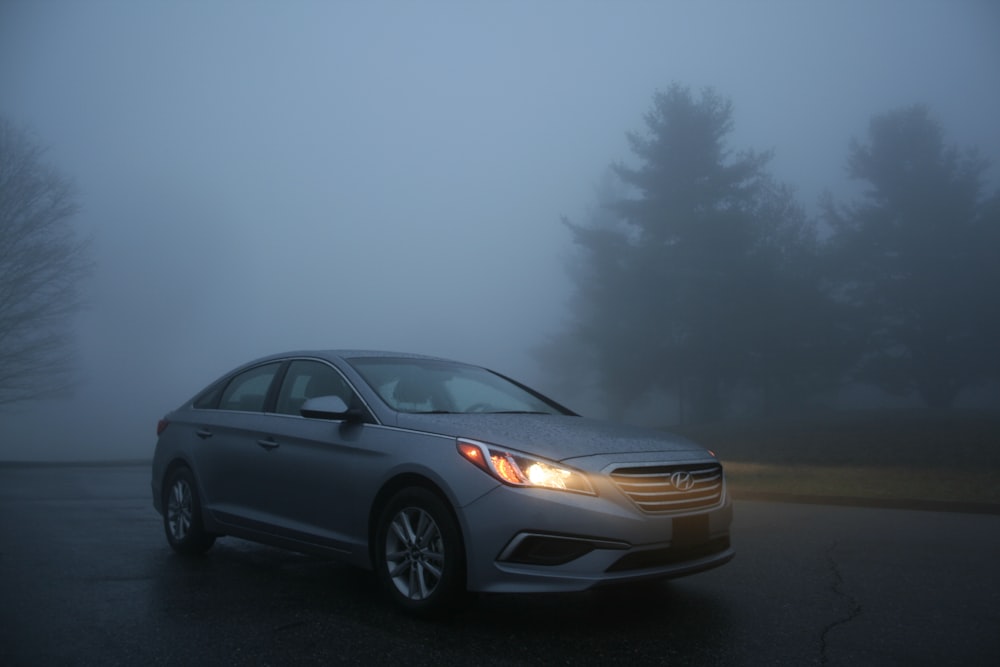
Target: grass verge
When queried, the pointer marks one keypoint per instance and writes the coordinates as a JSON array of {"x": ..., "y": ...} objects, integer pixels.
[
  {"x": 878, "y": 484},
  {"x": 946, "y": 460}
]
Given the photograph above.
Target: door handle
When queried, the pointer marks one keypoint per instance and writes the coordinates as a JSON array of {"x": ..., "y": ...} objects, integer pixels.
[
  {"x": 203, "y": 433},
  {"x": 268, "y": 443}
]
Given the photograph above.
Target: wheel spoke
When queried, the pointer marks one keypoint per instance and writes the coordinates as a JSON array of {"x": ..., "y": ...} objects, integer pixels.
[
  {"x": 399, "y": 569},
  {"x": 411, "y": 534},
  {"x": 432, "y": 568},
  {"x": 427, "y": 531},
  {"x": 393, "y": 556},
  {"x": 422, "y": 581},
  {"x": 401, "y": 528}
]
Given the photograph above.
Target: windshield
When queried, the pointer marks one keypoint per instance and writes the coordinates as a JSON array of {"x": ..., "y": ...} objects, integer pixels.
[{"x": 431, "y": 386}]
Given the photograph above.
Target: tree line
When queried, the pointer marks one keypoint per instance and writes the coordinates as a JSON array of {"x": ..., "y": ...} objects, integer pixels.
[{"x": 701, "y": 278}]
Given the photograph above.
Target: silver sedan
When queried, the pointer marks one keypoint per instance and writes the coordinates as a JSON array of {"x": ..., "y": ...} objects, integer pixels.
[{"x": 442, "y": 476}]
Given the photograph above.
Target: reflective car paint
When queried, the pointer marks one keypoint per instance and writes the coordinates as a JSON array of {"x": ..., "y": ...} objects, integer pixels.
[{"x": 317, "y": 485}]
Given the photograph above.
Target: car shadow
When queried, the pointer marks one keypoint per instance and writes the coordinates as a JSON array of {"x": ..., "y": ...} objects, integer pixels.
[{"x": 301, "y": 595}]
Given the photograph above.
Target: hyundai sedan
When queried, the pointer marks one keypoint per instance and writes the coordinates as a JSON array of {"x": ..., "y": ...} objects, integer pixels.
[{"x": 441, "y": 476}]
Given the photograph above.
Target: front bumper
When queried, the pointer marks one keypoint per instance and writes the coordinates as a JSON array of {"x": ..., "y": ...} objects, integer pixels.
[{"x": 536, "y": 540}]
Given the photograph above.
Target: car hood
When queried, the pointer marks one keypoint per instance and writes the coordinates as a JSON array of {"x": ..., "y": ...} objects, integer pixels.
[{"x": 556, "y": 437}]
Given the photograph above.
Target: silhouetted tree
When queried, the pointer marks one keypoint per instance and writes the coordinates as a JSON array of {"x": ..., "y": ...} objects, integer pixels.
[
  {"x": 986, "y": 244},
  {"x": 41, "y": 264},
  {"x": 606, "y": 342},
  {"x": 915, "y": 258},
  {"x": 681, "y": 284},
  {"x": 793, "y": 345}
]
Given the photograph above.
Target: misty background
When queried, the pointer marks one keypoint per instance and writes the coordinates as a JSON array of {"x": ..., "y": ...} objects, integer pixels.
[{"x": 258, "y": 177}]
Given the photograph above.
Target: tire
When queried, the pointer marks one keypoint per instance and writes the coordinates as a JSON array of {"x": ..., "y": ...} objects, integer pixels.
[
  {"x": 182, "y": 515},
  {"x": 419, "y": 553}
]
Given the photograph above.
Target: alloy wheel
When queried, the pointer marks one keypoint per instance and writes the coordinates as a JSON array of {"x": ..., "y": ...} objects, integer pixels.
[
  {"x": 179, "y": 510},
  {"x": 414, "y": 553}
]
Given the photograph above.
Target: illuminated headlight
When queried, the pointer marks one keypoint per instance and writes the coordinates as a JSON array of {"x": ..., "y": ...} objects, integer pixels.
[{"x": 518, "y": 469}]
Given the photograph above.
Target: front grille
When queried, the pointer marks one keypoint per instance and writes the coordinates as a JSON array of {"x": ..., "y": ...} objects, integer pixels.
[{"x": 677, "y": 488}]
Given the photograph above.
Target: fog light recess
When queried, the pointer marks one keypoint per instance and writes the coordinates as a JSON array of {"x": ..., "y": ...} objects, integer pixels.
[{"x": 536, "y": 549}]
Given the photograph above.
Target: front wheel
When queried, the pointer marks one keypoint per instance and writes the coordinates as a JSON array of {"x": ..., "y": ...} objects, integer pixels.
[
  {"x": 182, "y": 515},
  {"x": 419, "y": 555}
]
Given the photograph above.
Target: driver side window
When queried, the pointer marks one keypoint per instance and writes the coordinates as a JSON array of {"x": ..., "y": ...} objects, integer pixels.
[{"x": 308, "y": 379}]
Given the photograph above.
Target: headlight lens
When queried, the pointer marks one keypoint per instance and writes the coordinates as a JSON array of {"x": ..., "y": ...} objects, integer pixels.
[{"x": 518, "y": 469}]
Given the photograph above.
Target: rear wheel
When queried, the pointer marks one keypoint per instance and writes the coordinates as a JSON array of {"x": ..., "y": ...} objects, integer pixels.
[
  {"x": 419, "y": 555},
  {"x": 182, "y": 515}
]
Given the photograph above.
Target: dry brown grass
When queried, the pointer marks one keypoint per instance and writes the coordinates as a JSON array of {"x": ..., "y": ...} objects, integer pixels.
[
  {"x": 861, "y": 482},
  {"x": 880, "y": 455}
]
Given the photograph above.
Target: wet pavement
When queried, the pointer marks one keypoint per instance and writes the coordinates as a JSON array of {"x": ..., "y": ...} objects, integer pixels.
[{"x": 86, "y": 578}]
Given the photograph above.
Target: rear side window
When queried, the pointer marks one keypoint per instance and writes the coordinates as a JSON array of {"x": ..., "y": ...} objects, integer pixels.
[
  {"x": 248, "y": 390},
  {"x": 209, "y": 399}
]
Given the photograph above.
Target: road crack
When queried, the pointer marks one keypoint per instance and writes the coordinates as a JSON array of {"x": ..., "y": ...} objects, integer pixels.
[{"x": 838, "y": 588}]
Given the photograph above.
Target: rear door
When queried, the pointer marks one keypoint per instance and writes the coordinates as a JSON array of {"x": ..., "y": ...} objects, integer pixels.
[{"x": 231, "y": 457}]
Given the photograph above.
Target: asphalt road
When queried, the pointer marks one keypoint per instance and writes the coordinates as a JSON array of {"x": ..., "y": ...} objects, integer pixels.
[{"x": 86, "y": 578}]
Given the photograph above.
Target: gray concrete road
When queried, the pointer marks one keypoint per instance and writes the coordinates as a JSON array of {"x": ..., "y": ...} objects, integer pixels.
[{"x": 86, "y": 578}]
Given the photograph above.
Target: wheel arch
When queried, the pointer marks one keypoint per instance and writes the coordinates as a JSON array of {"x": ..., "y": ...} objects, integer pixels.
[
  {"x": 173, "y": 466},
  {"x": 393, "y": 486},
  {"x": 195, "y": 538}
]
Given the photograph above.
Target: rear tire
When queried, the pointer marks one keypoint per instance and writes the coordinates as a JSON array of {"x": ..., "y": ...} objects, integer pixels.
[
  {"x": 419, "y": 553},
  {"x": 182, "y": 515}
]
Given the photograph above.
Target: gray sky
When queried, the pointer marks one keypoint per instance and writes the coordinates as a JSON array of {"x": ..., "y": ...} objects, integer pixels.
[{"x": 261, "y": 176}]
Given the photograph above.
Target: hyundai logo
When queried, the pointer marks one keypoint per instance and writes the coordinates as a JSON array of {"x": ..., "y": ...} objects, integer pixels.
[{"x": 682, "y": 480}]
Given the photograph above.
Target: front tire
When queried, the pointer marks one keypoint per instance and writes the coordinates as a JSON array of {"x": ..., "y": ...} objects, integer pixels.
[
  {"x": 182, "y": 515},
  {"x": 419, "y": 554}
]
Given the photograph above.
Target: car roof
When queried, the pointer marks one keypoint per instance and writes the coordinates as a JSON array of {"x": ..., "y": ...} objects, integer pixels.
[{"x": 345, "y": 354}]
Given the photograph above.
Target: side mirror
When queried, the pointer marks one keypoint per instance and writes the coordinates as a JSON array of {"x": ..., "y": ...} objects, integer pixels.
[{"x": 327, "y": 407}]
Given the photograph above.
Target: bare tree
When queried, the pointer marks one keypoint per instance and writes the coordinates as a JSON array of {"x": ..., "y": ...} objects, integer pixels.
[{"x": 42, "y": 261}]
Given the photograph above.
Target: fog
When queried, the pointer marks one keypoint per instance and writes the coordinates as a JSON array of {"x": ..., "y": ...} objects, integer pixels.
[{"x": 268, "y": 176}]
